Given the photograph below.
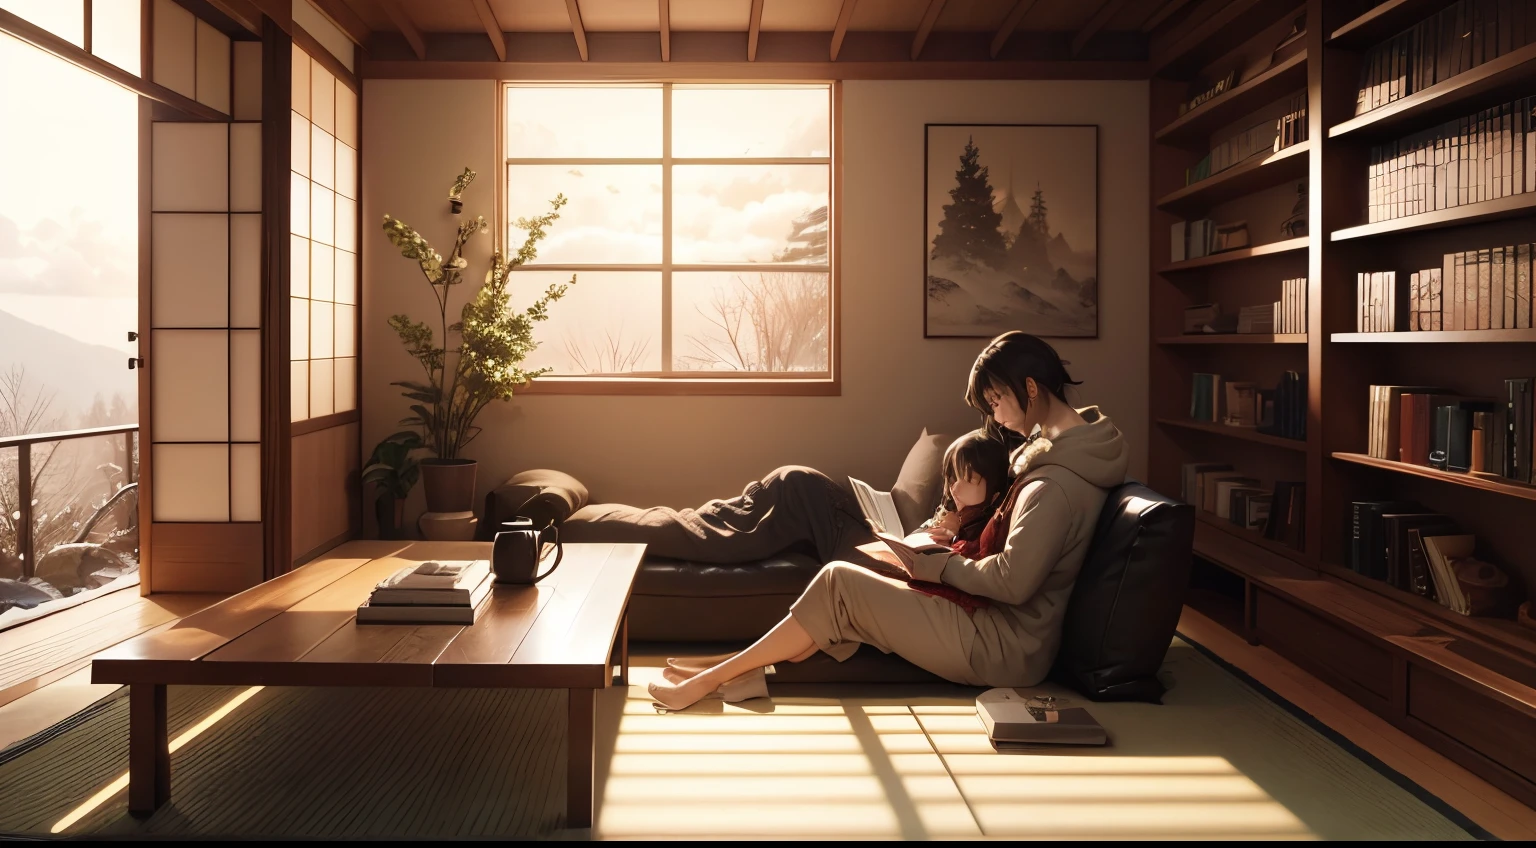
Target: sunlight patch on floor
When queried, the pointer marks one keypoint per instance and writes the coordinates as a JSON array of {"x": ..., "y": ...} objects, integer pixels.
[{"x": 874, "y": 768}]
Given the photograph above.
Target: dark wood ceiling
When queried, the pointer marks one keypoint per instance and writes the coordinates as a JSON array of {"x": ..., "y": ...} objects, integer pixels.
[{"x": 872, "y": 30}]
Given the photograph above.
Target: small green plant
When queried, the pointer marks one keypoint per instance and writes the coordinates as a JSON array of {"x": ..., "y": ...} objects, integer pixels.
[
  {"x": 391, "y": 467},
  {"x": 493, "y": 341}
]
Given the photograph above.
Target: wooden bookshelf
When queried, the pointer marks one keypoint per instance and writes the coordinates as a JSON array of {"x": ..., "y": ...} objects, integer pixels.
[
  {"x": 1227, "y": 431},
  {"x": 1234, "y": 339},
  {"x": 1179, "y": 51},
  {"x": 1382, "y": 21},
  {"x": 1505, "y": 78},
  {"x": 1258, "y": 172},
  {"x": 1391, "y": 651},
  {"x": 1248, "y": 553},
  {"x": 1514, "y": 206},
  {"x": 1193, "y": 128},
  {"x": 1241, "y": 254},
  {"x": 1439, "y": 337},
  {"x": 1498, "y": 630},
  {"x": 1457, "y": 478}
]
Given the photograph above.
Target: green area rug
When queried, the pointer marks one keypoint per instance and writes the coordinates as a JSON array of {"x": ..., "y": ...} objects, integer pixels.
[{"x": 359, "y": 763}]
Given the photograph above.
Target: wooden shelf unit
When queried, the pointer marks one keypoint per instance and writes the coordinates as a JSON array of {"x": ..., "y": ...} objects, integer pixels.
[
  {"x": 1234, "y": 339},
  {"x": 1492, "y": 82},
  {"x": 1456, "y": 478},
  {"x": 1258, "y": 172},
  {"x": 1457, "y": 684},
  {"x": 1241, "y": 254},
  {"x": 1439, "y": 337},
  {"x": 1228, "y": 431},
  {"x": 1194, "y": 126},
  {"x": 1514, "y": 206}
]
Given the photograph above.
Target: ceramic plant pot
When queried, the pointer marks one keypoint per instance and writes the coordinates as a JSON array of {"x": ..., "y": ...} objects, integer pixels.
[{"x": 450, "y": 484}]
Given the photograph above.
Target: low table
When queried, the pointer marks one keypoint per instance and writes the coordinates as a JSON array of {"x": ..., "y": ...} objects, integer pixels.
[{"x": 566, "y": 632}]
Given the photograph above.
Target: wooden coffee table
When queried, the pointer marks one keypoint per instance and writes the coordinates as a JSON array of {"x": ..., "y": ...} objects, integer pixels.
[{"x": 567, "y": 632}]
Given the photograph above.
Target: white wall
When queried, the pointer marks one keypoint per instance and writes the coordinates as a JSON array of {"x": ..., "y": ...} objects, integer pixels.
[{"x": 680, "y": 451}]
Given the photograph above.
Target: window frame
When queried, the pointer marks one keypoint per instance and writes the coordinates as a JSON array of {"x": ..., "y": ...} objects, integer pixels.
[{"x": 669, "y": 382}]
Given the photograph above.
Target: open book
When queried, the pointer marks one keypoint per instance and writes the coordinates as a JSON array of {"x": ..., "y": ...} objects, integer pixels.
[{"x": 879, "y": 508}]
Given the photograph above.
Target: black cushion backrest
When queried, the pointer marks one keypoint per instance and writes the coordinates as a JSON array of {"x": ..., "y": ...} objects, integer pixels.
[{"x": 1126, "y": 602}]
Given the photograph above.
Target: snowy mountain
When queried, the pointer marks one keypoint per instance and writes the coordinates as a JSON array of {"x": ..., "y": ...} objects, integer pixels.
[{"x": 73, "y": 371}]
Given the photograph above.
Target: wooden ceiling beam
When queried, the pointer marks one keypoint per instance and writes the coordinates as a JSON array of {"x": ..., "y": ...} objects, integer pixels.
[
  {"x": 1010, "y": 23},
  {"x": 345, "y": 18},
  {"x": 242, "y": 12},
  {"x": 576, "y": 28},
  {"x": 665, "y": 14},
  {"x": 925, "y": 28},
  {"x": 1106, "y": 12},
  {"x": 841, "y": 30},
  {"x": 407, "y": 28},
  {"x": 1163, "y": 14},
  {"x": 492, "y": 27},
  {"x": 754, "y": 28}
]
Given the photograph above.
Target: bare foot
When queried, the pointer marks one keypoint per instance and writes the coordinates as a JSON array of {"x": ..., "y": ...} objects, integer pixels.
[
  {"x": 753, "y": 684},
  {"x": 694, "y": 665},
  {"x": 680, "y": 696}
]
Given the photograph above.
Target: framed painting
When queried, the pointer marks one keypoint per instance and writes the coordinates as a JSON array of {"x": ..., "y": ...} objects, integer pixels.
[{"x": 1011, "y": 230}]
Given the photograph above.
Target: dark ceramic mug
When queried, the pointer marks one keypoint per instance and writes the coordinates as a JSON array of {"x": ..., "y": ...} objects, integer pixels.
[{"x": 515, "y": 552}]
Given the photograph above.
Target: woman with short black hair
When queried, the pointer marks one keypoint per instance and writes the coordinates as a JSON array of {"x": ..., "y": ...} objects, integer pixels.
[{"x": 1062, "y": 476}]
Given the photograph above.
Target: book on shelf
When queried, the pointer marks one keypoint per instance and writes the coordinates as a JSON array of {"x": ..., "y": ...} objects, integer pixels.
[
  {"x": 1453, "y": 40},
  {"x": 1484, "y": 289},
  {"x": 1465, "y": 584},
  {"x": 1290, "y": 311},
  {"x": 1291, "y": 128},
  {"x": 1518, "y": 430},
  {"x": 1201, "y": 90},
  {"x": 1376, "y": 302},
  {"x": 1241, "y": 410},
  {"x": 1249, "y": 508},
  {"x": 1488, "y": 155},
  {"x": 1179, "y": 240},
  {"x": 1253, "y": 141},
  {"x": 1392, "y": 551},
  {"x": 1286, "y": 522},
  {"x": 1189, "y": 475},
  {"x": 1205, "y": 397},
  {"x": 1200, "y": 316},
  {"x": 1257, "y": 319},
  {"x": 1282, "y": 411},
  {"x": 1365, "y": 533},
  {"x": 1385, "y": 423}
]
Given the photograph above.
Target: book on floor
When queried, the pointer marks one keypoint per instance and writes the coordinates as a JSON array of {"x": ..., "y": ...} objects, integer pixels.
[{"x": 1020, "y": 719}]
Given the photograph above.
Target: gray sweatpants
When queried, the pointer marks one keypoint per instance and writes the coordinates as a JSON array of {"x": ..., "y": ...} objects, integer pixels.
[{"x": 792, "y": 506}]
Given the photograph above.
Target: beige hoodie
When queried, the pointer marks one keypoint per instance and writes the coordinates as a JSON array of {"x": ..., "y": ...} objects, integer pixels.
[{"x": 1048, "y": 536}]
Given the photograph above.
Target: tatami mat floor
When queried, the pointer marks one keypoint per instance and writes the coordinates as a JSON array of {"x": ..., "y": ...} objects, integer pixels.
[{"x": 1219, "y": 760}]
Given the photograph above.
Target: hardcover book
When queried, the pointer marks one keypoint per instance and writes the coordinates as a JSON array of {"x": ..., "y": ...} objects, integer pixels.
[{"x": 1029, "y": 718}]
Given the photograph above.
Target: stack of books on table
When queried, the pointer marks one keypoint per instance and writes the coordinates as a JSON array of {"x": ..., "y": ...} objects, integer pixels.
[{"x": 432, "y": 592}]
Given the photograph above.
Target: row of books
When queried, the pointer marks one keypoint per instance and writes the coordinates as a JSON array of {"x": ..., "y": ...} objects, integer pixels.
[
  {"x": 1474, "y": 290},
  {"x": 1280, "y": 411},
  {"x": 1413, "y": 549},
  {"x": 1291, "y": 128},
  {"x": 1460, "y": 37},
  {"x": 1485, "y": 156},
  {"x": 1276, "y": 511},
  {"x": 1265, "y": 137},
  {"x": 1437, "y": 428},
  {"x": 1291, "y": 309},
  {"x": 1376, "y": 302},
  {"x": 432, "y": 592}
]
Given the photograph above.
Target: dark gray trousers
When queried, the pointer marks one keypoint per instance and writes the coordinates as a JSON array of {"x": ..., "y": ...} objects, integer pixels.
[{"x": 793, "y": 506}]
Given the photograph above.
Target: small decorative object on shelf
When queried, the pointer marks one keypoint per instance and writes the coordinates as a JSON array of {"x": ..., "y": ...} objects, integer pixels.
[
  {"x": 1202, "y": 90},
  {"x": 1230, "y": 236},
  {"x": 1293, "y": 42},
  {"x": 1295, "y": 226},
  {"x": 1200, "y": 316}
]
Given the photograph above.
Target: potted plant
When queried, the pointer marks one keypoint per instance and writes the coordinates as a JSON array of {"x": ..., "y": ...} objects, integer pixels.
[
  {"x": 392, "y": 469},
  {"x": 470, "y": 362}
]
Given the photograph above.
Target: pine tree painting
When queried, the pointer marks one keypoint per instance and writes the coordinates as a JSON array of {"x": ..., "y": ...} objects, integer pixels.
[{"x": 992, "y": 266}]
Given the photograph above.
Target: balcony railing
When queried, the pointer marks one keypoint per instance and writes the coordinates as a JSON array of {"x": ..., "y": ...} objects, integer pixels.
[{"x": 26, "y": 497}]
